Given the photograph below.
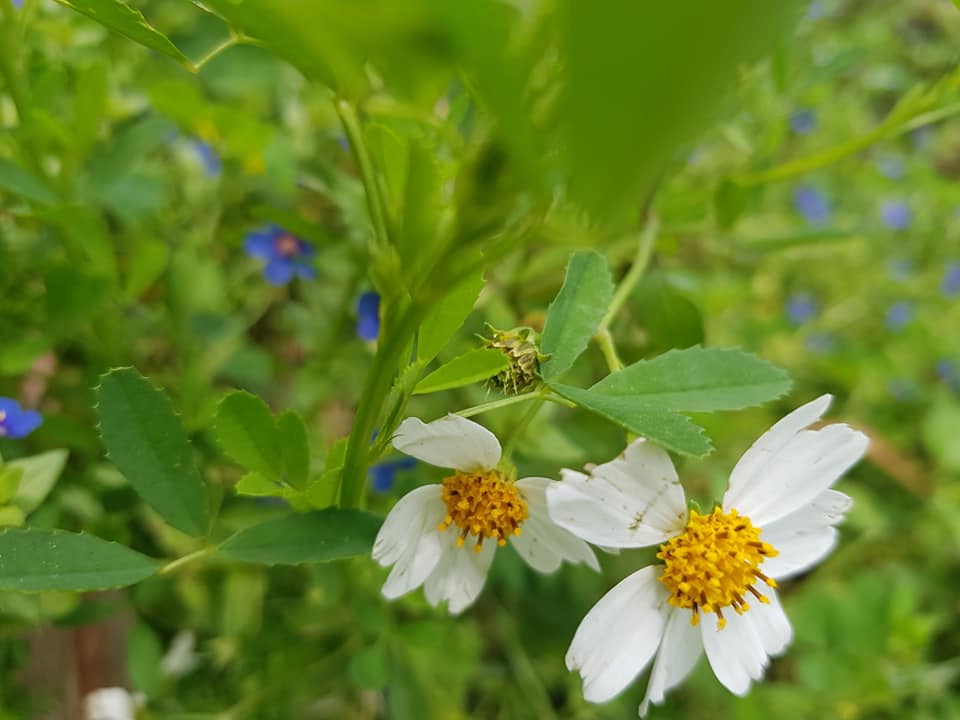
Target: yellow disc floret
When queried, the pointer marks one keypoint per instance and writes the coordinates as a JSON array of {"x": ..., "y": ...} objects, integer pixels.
[
  {"x": 484, "y": 504},
  {"x": 713, "y": 563}
]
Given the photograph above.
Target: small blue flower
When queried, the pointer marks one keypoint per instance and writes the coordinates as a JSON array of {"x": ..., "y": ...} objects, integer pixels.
[
  {"x": 820, "y": 343},
  {"x": 800, "y": 307},
  {"x": 890, "y": 166},
  {"x": 383, "y": 475},
  {"x": 803, "y": 121},
  {"x": 816, "y": 10},
  {"x": 18, "y": 4},
  {"x": 286, "y": 255},
  {"x": 896, "y": 214},
  {"x": 811, "y": 204},
  {"x": 950, "y": 287},
  {"x": 368, "y": 316},
  {"x": 15, "y": 422},
  {"x": 948, "y": 372},
  {"x": 208, "y": 157},
  {"x": 899, "y": 315},
  {"x": 899, "y": 269}
]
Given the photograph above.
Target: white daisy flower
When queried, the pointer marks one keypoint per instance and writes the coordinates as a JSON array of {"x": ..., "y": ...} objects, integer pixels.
[
  {"x": 777, "y": 519},
  {"x": 444, "y": 536}
]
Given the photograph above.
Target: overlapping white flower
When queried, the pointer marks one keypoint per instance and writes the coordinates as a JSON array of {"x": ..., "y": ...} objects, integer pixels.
[
  {"x": 444, "y": 536},
  {"x": 777, "y": 519}
]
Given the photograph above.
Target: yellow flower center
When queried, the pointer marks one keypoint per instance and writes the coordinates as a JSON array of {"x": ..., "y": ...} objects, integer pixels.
[
  {"x": 713, "y": 563},
  {"x": 485, "y": 504}
]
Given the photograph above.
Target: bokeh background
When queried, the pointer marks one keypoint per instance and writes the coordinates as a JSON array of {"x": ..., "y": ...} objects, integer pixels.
[{"x": 810, "y": 215}]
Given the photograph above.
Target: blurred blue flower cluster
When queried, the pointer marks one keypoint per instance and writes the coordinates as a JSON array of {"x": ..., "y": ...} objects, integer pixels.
[{"x": 896, "y": 215}]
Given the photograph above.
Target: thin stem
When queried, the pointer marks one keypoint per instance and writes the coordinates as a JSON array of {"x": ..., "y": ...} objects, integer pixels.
[
  {"x": 9, "y": 48},
  {"x": 371, "y": 186},
  {"x": 186, "y": 559},
  {"x": 604, "y": 340},
  {"x": 517, "y": 430},
  {"x": 234, "y": 39},
  {"x": 648, "y": 238},
  {"x": 497, "y": 404}
]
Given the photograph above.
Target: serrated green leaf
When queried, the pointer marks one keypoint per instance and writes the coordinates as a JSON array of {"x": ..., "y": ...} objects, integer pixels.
[
  {"x": 698, "y": 380},
  {"x": 40, "y": 474},
  {"x": 14, "y": 179},
  {"x": 295, "y": 448},
  {"x": 319, "y": 536},
  {"x": 247, "y": 432},
  {"x": 668, "y": 429},
  {"x": 146, "y": 441},
  {"x": 446, "y": 317},
  {"x": 34, "y": 560},
  {"x": 120, "y": 17},
  {"x": 471, "y": 367},
  {"x": 576, "y": 312}
]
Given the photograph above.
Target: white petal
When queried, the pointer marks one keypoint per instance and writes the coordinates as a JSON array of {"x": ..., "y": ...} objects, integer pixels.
[
  {"x": 619, "y": 635},
  {"x": 781, "y": 475},
  {"x": 736, "y": 653},
  {"x": 805, "y": 536},
  {"x": 680, "y": 649},
  {"x": 450, "y": 442},
  {"x": 633, "y": 501},
  {"x": 769, "y": 619},
  {"x": 460, "y": 574},
  {"x": 410, "y": 541},
  {"x": 543, "y": 544}
]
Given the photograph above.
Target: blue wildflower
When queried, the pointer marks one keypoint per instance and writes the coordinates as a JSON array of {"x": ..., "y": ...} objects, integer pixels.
[
  {"x": 368, "y": 316},
  {"x": 18, "y": 4},
  {"x": 950, "y": 287},
  {"x": 803, "y": 122},
  {"x": 286, "y": 254},
  {"x": 208, "y": 157},
  {"x": 896, "y": 214},
  {"x": 899, "y": 315},
  {"x": 890, "y": 166},
  {"x": 15, "y": 422},
  {"x": 800, "y": 307},
  {"x": 811, "y": 204},
  {"x": 383, "y": 475},
  {"x": 816, "y": 10},
  {"x": 899, "y": 269},
  {"x": 820, "y": 343}
]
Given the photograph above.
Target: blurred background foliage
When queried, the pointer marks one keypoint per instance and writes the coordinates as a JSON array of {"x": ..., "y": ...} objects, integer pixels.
[{"x": 803, "y": 164}]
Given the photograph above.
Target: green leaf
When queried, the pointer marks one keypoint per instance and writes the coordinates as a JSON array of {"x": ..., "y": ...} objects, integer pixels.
[
  {"x": 940, "y": 432},
  {"x": 247, "y": 432},
  {"x": 668, "y": 429},
  {"x": 699, "y": 380},
  {"x": 16, "y": 180},
  {"x": 120, "y": 17},
  {"x": 34, "y": 560},
  {"x": 322, "y": 491},
  {"x": 147, "y": 443},
  {"x": 446, "y": 317},
  {"x": 144, "y": 656},
  {"x": 471, "y": 367},
  {"x": 11, "y": 516},
  {"x": 576, "y": 312},
  {"x": 668, "y": 317},
  {"x": 295, "y": 448},
  {"x": 256, "y": 485},
  {"x": 9, "y": 482},
  {"x": 368, "y": 668},
  {"x": 320, "y": 536},
  {"x": 39, "y": 475}
]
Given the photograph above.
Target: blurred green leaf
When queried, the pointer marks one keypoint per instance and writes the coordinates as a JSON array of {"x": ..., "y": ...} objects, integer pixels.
[
  {"x": 247, "y": 432},
  {"x": 669, "y": 318},
  {"x": 940, "y": 428},
  {"x": 295, "y": 448},
  {"x": 446, "y": 317},
  {"x": 33, "y": 560},
  {"x": 368, "y": 668},
  {"x": 575, "y": 314},
  {"x": 698, "y": 380},
  {"x": 147, "y": 443},
  {"x": 121, "y": 18},
  {"x": 144, "y": 655},
  {"x": 144, "y": 267},
  {"x": 471, "y": 367},
  {"x": 256, "y": 485},
  {"x": 322, "y": 490},
  {"x": 39, "y": 474},
  {"x": 14, "y": 179},
  {"x": 319, "y": 536},
  {"x": 667, "y": 429},
  {"x": 9, "y": 482}
]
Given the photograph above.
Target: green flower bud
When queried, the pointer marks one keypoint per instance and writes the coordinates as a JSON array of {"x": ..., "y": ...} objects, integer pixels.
[{"x": 520, "y": 345}]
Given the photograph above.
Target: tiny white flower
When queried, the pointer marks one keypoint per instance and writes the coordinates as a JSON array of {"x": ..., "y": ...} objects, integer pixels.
[
  {"x": 112, "y": 703},
  {"x": 778, "y": 514},
  {"x": 444, "y": 536}
]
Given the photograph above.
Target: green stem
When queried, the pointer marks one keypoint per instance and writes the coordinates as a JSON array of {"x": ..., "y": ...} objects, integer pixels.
[
  {"x": 197, "y": 66},
  {"x": 9, "y": 48},
  {"x": 604, "y": 340},
  {"x": 186, "y": 559},
  {"x": 648, "y": 238},
  {"x": 371, "y": 186},
  {"x": 517, "y": 430},
  {"x": 497, "y": 404}
]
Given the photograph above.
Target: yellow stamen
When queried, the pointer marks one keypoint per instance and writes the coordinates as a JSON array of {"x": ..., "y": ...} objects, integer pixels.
[
  {"x": 713, "y": 563},
  {"x": 484, "y": 504}
]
